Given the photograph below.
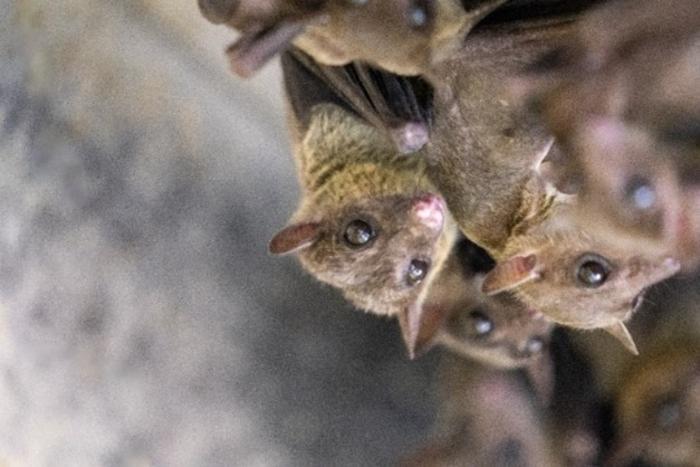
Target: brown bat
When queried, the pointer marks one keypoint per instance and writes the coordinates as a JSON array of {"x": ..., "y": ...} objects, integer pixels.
[
  {"x": 652, "y": 395},
  {"x": 498, "y": 330},
  {"x": 369, "y": 222},
  {"x": 486, "y": 417},
  {"x": 621, "y": 96},
  {"x": 402, "y": 36},
  {"x": 484, "y": 157},
  {"x": 658, "y": 408},
  {"x": 575, "y": 406}
]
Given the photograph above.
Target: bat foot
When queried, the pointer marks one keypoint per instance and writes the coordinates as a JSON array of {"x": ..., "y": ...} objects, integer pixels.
[{"x": 410, "y": 137}]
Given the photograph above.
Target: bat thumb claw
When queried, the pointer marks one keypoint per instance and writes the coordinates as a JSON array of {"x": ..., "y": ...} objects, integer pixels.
[
  {"x": 410, "y": 137},
  {"x": 620, "y": 332}
]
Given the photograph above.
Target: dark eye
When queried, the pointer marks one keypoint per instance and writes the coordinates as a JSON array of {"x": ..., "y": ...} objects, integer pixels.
[
  {"x": 534, "y": 345},
  {"x": 482, "y": 324},
  {"x": 668, "y": 414},
  {"x": 593, "y": 271},
  {"x": 640, "y": 192},
  {"x": 417, "y": 271},
  {"x": 358, "y": 233},
  {"x": 418, "y": 16}
]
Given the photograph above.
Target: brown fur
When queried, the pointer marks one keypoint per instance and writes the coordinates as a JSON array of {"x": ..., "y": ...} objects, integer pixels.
[
  {"x": 348, "y": 170},
  {"x": 502, "y": 145},
  {"x": 658, "y": 408},
  {"x": 621, "y": 95},
  {"x": 382, "y": 33},
  {"x": 660, "y": 385},
  {"x": 484, "y": 157},
  {"x": 454, "y": 298},
  {"x": 402, "y": 36},
  {"x": 486, "y": 418},
  {"x": 557, "y": 293}
]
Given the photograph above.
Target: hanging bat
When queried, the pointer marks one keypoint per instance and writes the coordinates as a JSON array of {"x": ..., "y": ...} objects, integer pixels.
[
  {"x": 484, "y": 156},
  {"x": 485, "y": 417},
  {"x": 402, "y": 36},
  {"x": 498, "y": 331},
  {"x": 369, "y": 223},
  {"x": 620, "y": 94}
]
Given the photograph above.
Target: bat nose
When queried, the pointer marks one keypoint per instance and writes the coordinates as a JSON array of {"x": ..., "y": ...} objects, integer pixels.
[{"x": 429, "y": 209}]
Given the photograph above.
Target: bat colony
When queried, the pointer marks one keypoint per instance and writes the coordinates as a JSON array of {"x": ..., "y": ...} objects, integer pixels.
[{"x": 486, "y": 170}]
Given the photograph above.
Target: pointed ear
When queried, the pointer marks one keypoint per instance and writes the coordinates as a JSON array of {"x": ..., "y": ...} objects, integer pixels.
[
  {"x": 294, "y": 238},
  {"x": 511, "y": 273},
  {"x": 619, "y": 331},
  {"x": 409, "y": 321},
  {"x": 419, "y": 325},
  {"x": 255, "y": 49}
]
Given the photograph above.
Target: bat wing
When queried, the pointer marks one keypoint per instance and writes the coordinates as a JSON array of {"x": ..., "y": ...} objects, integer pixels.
[{"x": 397, "y": 105}]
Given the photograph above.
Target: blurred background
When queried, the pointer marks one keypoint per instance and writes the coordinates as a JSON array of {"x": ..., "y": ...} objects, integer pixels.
[{"x": 141, "y": 320}]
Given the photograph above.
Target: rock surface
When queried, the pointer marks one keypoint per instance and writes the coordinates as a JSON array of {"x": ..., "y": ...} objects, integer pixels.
[{"x": 141, "y": 320}]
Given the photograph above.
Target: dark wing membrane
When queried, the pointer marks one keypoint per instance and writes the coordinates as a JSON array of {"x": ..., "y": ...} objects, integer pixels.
[
  {"x": 398, "y": 105},
  {"x": 521, "y": 11}
]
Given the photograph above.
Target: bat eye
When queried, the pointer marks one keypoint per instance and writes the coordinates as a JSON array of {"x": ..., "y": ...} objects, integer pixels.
[
  {"x": 358, "y": 233},
  {"x": 668, "y": 414},
  {"x": 418, "y": 17},
  {"x": 481, "y": 324},
  {"x": 534, "y": 345},
  {"x": 640, "y": 192},
  {"x": 417, "y": 270},
  {"x": 420, "y": 14},
  {"x": 592, "y": 271}
]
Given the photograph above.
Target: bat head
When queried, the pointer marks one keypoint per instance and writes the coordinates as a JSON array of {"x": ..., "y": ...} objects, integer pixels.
[
  {"x": 495, "y": 330},
  {"x": 633, "y": 193},
  {"x": 401, "y": 36},
  {"x": 576, "y": 280},
  {"x": 486, "y": 417},
  {"x": 658, "y": 409},
  {"x": 380, "y": 251}
]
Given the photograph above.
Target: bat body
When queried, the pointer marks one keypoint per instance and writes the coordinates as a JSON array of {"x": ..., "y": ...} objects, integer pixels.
[
  {"x": 620, "y": 94},
  {"x": 498, "y": 331},
  {"x": 485, "y": 155},
  {"x": 486, "y": 417},
  {"x": 658, "y": 408},
  {"x": 369, "y": 221},
  {"x": 654, "y": 395},
  {"x": 402, "y": 36}
]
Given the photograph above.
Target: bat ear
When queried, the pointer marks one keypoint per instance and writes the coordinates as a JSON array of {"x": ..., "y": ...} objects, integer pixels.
[
  {"x": 619, "y": 331},
  {"x": 511, "y": 273},
  {"x": 419, "y": 325},
  {"x": 218, "y": 11},
  {"x": 255, "y": 49},
  {"x": 294, "y": 237}
]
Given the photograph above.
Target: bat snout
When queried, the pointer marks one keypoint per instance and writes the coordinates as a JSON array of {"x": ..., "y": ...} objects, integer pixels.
[{"x": 429, "y": 210}]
